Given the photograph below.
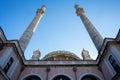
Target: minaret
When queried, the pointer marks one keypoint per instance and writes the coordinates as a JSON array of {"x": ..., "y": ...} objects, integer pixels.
[
  {"x": 94, "y": 34},
  {"x": 85, "y": 55},
  {"x": 25, "y": 38}
]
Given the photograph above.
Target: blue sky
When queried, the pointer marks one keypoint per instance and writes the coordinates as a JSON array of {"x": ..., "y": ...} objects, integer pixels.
[{"x": 60, "y": 28}]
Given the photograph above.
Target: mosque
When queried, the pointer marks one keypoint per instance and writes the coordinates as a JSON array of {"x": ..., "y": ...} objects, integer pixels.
[{"x": 59, "y": 65}]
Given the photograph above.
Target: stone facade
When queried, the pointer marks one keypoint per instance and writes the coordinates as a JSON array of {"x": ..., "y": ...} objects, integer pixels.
[{"x": 59, "y": 65}]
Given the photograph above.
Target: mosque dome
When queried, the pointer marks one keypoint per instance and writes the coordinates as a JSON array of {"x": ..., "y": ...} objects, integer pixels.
[{"x": 61, "y": 55}]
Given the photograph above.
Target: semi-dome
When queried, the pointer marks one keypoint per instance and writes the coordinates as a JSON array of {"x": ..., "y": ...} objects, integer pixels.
[{"x": 61, "y": 55}]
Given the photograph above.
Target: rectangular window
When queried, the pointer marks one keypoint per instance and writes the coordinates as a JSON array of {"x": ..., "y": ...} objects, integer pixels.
[
  {"x": 114, "y": 64},
  {"x": 1, "y": 44},
  {"x": 118, "y": 42},
  {"x": 8, "y": 65},
  {"x": 1, "y": 47}
]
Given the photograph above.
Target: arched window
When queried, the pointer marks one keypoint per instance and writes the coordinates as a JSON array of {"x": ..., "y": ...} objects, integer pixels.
[
  {"x": 90, "y": 77},
  {"x": 61, "y": 77},
  {"x": 32, "y": 78}
]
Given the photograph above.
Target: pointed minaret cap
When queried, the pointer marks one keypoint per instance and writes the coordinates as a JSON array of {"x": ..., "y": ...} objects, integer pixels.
[
  {"x": 41, "y": 10},
  {"x": 36, "y": 55},
  {"x": 76, "y": 6},
  {"x": 85, "y": 55},
  {"x": 79, "y": 10},
  {"x": 43, "y": 7}
]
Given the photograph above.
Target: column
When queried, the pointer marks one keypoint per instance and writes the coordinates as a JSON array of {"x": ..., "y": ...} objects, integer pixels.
[
  {"x": 94, "y": 34},
  {"x": 27, "y": 35}
]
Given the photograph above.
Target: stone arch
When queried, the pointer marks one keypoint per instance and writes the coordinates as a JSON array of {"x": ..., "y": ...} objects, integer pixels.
[
  {"x": 61, "y": 74},
  {"x": 31, "y": 74},
  {"x": 90, "y": 74}
]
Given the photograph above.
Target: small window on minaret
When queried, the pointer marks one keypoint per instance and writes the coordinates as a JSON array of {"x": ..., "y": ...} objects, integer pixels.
[
  {"x": 8, "y": 65},
  {"x": 114, "y": 63}
]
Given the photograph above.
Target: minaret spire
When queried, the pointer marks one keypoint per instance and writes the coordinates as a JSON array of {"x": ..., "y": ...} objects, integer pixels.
[
  {"x": 94, "y": 34},
  {"x": 25, "y": 38}
]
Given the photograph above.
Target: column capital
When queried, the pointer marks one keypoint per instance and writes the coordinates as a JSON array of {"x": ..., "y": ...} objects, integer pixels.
[{"x": 79, "y": 10}]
